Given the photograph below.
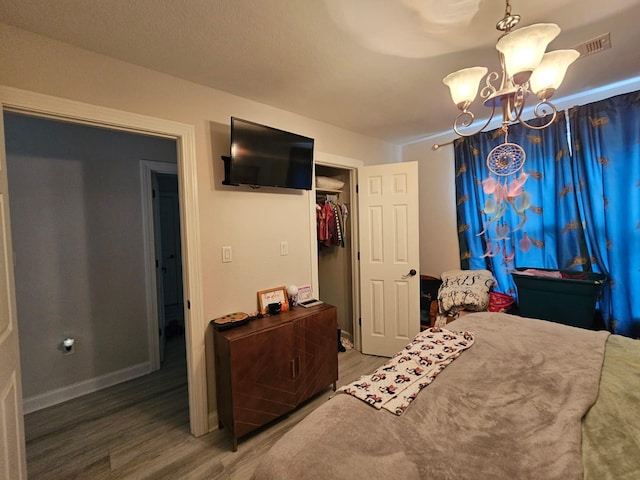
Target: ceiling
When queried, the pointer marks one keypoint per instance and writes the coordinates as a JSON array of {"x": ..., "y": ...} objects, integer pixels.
[{"x": 370, "y": 66}]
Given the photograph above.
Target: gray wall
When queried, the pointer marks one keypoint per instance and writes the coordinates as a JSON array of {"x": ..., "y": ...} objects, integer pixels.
[{"x": 76, "y": 220}]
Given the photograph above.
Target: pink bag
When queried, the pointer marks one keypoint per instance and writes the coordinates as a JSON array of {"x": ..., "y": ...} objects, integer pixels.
[{"x": 500, "y": 302}]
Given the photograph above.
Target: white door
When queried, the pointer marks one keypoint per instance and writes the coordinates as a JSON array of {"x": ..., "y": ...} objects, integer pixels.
[
  {"x": 157, "y": 237},
  {"x": 389, "y": 256},
  {"x": 168, "y": 249},
  {"x": 170, "y": 231},
  {"x": 13, "y": 463}
]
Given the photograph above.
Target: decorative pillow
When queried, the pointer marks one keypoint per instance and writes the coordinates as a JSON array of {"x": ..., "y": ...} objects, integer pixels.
[
  {"x": 465, "y": 290},
  {"x": 328, "y": 183}
]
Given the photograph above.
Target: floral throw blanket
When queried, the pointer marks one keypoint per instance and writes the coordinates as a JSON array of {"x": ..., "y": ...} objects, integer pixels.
[{"x": 395, "y": 384}]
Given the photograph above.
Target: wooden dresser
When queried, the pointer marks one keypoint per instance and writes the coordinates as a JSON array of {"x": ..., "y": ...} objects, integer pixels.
[{"x": 269, "y": 366}]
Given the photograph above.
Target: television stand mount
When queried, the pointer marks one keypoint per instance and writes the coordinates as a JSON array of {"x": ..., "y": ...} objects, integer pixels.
[{"x": 227, "y": 166}]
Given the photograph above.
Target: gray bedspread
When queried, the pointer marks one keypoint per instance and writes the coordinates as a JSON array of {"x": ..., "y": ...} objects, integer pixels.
[{"x": 510, "y": 407}]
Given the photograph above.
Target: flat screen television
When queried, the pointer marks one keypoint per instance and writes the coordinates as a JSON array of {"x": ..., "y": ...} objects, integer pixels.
[{"x": 267, "y": 156}]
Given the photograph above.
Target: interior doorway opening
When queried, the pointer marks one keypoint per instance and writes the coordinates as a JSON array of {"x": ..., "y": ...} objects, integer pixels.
[
  {"x": 76, "y": 221},
  {"x": 40, "y": 105},
  {"x": 337, "y": 274}
]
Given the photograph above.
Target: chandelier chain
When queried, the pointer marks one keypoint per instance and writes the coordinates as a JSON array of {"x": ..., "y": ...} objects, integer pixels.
[{"x": 508, "y": 21}]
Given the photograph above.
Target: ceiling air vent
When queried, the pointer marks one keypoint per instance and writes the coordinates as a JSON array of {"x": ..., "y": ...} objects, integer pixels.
[{"x": 603, "y": 42}]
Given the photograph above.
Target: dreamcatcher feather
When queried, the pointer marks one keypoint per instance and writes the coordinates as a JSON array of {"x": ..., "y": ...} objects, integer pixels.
[{"x": 504, "y": 186}]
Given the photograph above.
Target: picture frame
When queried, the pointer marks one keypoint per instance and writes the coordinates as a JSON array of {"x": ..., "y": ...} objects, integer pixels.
[{"x": 273, "y": 295}]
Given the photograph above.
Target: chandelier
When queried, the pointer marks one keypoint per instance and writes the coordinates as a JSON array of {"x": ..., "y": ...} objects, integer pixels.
[{"x": 525, "y": 69}]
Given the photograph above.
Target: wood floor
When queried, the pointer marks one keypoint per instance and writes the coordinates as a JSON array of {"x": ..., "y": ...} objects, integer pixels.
[{"x": 140, "y": 430}]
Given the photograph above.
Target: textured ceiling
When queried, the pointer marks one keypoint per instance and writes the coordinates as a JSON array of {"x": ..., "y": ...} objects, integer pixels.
[{"x": 370, "y": 66}]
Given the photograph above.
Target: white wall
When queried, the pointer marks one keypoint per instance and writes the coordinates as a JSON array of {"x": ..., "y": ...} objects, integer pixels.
[
  {"x": 252, "y": 222},
  {"x": 438, "y": 230},
  {"x": 78, "y": 248}
]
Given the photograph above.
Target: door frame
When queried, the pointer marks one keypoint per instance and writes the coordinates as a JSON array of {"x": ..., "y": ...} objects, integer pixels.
[
  {"x": 40, "y": 105},
  {"x": 351, "y": 165},
  {"x": 152, "y": 287}
]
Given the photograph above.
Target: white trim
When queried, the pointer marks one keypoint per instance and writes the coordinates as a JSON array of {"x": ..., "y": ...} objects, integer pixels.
[
  {"x": 150, "y": 278},
  {"x": 14, "y": 99},
  {"x": 75, "y": 390},
  {"x": 331, "y": 160},
  {"x": 355, "y": 263},
  {"x": 352, "y": 165}
]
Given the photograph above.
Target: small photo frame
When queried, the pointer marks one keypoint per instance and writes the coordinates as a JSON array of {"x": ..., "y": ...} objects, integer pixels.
[
  {"x": 273, "y": 295},
  {"x": 305, "y": 293}
]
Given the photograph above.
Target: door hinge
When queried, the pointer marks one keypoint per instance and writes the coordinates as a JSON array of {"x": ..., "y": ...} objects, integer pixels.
[
  {"x": 153, "y": 193},
  {"x": 188, "y": 304},
  {"x": 358, "y": 256},
  {"x": 357, "y": 189},
  {"x": 157, "y": 264},
  {"x": 359, "y": 321}
]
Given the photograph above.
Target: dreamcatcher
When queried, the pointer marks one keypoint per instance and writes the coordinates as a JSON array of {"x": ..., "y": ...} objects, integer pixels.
[{"x": 504, "y": 187}]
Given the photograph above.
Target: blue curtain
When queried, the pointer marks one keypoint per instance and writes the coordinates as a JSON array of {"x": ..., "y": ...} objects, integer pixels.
[
  {"x": 546, "y": 234},
  {"x": 606, "y": 143}
]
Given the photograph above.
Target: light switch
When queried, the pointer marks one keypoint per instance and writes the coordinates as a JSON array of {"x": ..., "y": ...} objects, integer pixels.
[
  {"x": 284, "y": 248},
  {"x": 226, "y": 255}
]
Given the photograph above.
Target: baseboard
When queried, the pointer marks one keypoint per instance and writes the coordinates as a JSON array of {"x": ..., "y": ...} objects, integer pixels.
[
  {"x": 213, "y": 421},
  {"x": 59, "y": 395}
]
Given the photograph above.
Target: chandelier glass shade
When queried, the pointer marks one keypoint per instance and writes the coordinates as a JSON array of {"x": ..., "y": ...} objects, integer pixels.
[
  {"x": 464, "y": 84},
  {"x": 523, "y": 49},
  {"x": 525, "y": 69},
  {"x": 548, "y": 75}
]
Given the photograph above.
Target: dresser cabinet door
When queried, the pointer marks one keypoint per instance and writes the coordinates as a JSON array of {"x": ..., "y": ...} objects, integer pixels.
[
  {"x": 264, "y": 374},
  {"x": 317, "y": 337}
]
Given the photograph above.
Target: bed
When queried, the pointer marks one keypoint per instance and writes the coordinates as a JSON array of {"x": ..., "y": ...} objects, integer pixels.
[{"x": 530, "y": 399}]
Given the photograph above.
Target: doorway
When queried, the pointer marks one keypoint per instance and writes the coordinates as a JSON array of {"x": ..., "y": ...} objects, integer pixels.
[
  {"x": 40, "y": 105},
  {"x": 336, "y": 272},
  {"x": 394, "y": 248},
  {"x": 75, "y": 220}
]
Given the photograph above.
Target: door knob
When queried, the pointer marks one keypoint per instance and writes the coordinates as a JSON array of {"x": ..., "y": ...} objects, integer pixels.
[{"x": 411, "y": 273}]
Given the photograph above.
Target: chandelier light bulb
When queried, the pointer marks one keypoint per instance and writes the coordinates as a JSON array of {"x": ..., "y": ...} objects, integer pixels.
[
  {"x": 548, "y": 76},
  {"x": 463, "y": 85},
  {"x": 523, "y": 49}
]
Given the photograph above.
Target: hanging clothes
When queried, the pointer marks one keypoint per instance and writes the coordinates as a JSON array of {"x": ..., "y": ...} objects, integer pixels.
[
  {"x": 345, "y": 212},
  {"x": 321, "y": 220},
  {"x": 333, "y": 226},
  {"x": 331, "y": 221}
]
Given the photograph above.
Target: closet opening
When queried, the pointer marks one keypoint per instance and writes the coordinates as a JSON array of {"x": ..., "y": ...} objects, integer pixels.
[{"x": 336, "y": 242}]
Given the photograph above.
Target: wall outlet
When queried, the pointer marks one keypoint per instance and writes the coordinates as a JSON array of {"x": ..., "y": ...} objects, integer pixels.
[
  {"x": 284, "y": 248},
  {"x": 68, "y": 346}
]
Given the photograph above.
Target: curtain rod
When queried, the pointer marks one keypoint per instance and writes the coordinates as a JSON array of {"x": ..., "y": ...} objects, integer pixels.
[{"x": 436, "y": 146}]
